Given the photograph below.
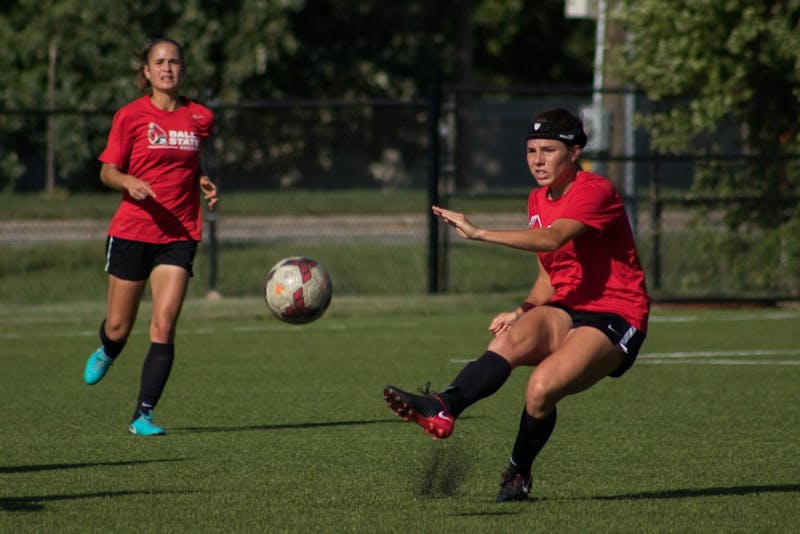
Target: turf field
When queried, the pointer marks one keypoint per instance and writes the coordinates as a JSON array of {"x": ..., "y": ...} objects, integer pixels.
[{"x": 275, "y": 428}]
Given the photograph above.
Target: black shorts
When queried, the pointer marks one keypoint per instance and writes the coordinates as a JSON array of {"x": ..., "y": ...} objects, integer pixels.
[
  {"x": 626, "y": 337},
  {"x": 135, "y": 260}
]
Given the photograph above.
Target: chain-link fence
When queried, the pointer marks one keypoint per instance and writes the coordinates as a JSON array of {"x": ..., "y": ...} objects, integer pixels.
[
  {"x": 458, "y": 145},
  {"x": 694, "y": 246}
]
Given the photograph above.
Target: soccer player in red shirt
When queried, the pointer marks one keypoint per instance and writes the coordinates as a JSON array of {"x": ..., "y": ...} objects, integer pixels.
[
  {"x": 153, "y": 157},
  {"x": 585, "y": 317}
]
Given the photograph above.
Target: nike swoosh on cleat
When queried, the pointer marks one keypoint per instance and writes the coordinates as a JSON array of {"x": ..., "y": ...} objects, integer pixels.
[{"x": 443, "y": 415}]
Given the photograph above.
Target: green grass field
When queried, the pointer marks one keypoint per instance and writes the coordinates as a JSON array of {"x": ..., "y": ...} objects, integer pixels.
[{"x": 275, "y": 428}]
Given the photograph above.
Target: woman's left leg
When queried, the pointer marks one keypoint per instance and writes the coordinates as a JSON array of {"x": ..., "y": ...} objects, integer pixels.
[
  {"x": 585, "y": 358},
  {"x": 168, "y": 285}
]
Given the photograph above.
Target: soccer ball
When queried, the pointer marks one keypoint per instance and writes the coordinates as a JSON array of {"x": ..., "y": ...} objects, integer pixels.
[{"x": 298, "y": 290}]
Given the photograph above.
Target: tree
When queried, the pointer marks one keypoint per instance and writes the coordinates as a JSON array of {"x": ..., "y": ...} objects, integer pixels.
[
  {"x": 243, "y": 50},
  {"x": 95, "y": 41},
  {"x": 710, "y": 64}
]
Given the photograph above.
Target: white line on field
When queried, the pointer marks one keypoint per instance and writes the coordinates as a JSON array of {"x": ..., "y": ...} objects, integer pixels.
[
  {"x": 724, "y": 362},
  {"x": 186, "y": 331},
  {"x": 707, "y": 357},
  {"x": 772, "y": 316},
  {"x": 718, "y": 353}
]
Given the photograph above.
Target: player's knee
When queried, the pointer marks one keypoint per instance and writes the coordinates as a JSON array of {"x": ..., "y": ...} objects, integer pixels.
[
  {"x": 162, "y": 331},
  {"x": 117, "y": 330},
  {"x": 515, "y": 347},
  {"x": 540, "y": 398}
]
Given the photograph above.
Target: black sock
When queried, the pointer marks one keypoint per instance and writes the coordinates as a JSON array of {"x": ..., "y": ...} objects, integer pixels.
[
  {"x": 477, "y": 380},
  {"x": 532, "y": 435},
  {"x": 111, "y": 348},
  {"x": 155, "y": 372}
]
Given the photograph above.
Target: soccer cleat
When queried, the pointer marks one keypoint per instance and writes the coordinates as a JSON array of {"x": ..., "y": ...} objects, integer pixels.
[
  {"x": 514, "y": 486},
  {"x": 427, "y": 409},
  {"x": 144, "y": 426},
  {"x": 96, "y": 367}
]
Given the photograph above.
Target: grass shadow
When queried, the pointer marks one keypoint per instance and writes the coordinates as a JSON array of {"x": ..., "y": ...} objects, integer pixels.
[
  {"x": 33, "y": 503},
  {"x": 290, "y": 426},
  {"x": 701, "y": 492},
  {"x": 280, "y": 426},
  {"x": 486, "y": 513},
  {"x": 57, "y": 467}
]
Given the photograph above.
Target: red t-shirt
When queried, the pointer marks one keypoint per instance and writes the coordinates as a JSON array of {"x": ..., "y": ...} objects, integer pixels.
[
  {"x": 599, "y": 271},
  {"x": 163, "y": 149}
]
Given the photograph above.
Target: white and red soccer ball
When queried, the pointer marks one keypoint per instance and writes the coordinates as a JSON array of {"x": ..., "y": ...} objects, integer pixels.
[{"x": 298, "y": 290}]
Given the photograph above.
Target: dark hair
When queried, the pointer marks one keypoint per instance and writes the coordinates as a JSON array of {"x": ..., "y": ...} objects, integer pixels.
[
  {"x": 143, "y": 55},
  {"x": 558, "y": 124}
]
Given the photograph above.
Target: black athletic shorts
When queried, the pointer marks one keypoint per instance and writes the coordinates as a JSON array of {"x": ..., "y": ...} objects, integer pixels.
[
  {"x": 135, "y": 260},
  {"x": 626, "y": 337}
]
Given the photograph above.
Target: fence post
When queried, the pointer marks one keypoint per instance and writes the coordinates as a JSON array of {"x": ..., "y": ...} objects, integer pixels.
[
  {"x": 655, "y": 220},
  {"x": 434, "y": 112},
  {"x": 212, "y": 254},
  {"x": 211, "y": 161}
]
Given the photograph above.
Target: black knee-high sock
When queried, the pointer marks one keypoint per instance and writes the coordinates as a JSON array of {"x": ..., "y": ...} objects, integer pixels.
[
  {"x": 532, "y": 435},
  {"x": 111, "y": 348},
  {"x": 477, "y": 380},
  {"x": 155, "y": 372}
]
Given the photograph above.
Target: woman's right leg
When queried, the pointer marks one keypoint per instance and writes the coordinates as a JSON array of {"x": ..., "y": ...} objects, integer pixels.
[
  {"x": 122, "y": 306},
  {"x": 530, "y": 339},
  {"x": 527, "y": 342}
]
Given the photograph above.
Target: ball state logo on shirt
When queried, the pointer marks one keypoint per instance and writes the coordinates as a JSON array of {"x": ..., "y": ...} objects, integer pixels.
[
  {"x": 156, "y": 135},
  {"x": 180, "y": 139}
]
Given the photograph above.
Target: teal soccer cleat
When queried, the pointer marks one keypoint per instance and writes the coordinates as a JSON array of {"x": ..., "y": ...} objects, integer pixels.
[
  {"x": 143, "y": 425},
  {"x": 96, "y": 367}
]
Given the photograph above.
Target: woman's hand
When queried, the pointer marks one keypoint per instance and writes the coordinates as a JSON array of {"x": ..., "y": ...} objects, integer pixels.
[
  {"x": 503, "y": 322},
  {"x": 209, "y": 191},
  {"x": 458, "y": 221},
  {"x": 136, "y": 188},
  {"x": 112, "y": 177}
]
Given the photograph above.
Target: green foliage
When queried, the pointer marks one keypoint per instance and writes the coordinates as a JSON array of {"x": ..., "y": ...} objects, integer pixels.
[
  {"x": 519, "y": 45},
  {"x": 94, "y": 42},
  {"x": 704, "y": 260},
  {"x": 713, "y": 65},
  {"x": 733, "y": 59},
  {"x": 246, "y": 50}
]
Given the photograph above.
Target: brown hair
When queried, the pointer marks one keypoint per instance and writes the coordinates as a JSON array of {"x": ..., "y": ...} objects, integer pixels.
[{"x": 143, "y": 55}]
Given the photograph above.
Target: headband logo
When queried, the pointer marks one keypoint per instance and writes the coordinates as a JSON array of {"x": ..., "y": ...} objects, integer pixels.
[{"x": 570, "y": 135}]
